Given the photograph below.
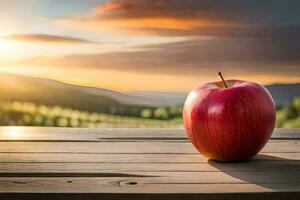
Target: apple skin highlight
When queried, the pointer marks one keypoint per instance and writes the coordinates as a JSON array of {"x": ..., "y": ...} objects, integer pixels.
[{"x": 229, "y": 124}]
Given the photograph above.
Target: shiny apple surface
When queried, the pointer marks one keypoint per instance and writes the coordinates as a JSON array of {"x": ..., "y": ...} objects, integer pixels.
[{"x": 229, "y": 124}]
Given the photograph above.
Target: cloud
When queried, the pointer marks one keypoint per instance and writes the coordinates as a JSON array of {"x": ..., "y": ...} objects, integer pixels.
[
  {"x": 45, "y": 38},
  {"x": 189, "y": 17},
  {"x": 279, "y": 56},
  {"x": 238, "y": 36},
  {"x": 277, "y": 45},
  {"x": 136, "y": 16}
]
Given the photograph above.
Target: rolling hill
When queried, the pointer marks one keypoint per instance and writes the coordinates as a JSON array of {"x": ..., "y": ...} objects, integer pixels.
[{"x": 51, "y": 92}]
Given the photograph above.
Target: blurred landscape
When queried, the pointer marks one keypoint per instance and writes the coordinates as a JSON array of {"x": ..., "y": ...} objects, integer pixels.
[
  {"x": 28, "y": 101},
  {"x": 131, "y": 63}
]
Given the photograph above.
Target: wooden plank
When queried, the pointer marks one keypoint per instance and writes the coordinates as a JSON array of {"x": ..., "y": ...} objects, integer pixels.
[
  {"x": 179, "y": 178},
  {"x": 85, "y": 167},
  {"x": 126, "y": 158},
  {"x": 139, "y": 162},
  {"x": 260, "y": 195},
  {"x": 106, "y": 135},
  {"x": 139, "y": 185},
  {"x": 130, "y": 147},
  {"x": 286, "y": 133}
]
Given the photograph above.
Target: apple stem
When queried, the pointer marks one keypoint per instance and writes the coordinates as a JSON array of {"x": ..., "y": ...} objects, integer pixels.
[{"x": 220, "y": 74}]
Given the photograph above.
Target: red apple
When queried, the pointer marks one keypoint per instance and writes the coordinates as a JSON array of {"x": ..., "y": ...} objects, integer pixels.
[{"x": 229, "y": 121}]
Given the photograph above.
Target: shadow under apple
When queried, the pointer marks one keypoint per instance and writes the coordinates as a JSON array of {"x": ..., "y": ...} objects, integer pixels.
[{"x": 271, "y": 172}]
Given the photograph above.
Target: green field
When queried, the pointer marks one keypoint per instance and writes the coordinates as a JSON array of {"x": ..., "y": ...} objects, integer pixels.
[
  {"x": 289, "y": 116},
  {"x": 16, "y": 113}
]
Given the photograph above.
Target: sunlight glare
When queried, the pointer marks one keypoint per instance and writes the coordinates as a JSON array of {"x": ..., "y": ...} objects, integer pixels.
[
  {"x": 4, "y": 45},
  {"x": 13, "y": 132}
]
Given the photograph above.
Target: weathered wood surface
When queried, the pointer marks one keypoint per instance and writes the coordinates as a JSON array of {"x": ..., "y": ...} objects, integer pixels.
[{"x": 60, "y": 163}]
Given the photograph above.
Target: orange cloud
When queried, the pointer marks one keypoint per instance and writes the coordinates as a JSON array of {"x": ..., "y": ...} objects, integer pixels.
[
  {"x": 152, "y": 17},
  {"x": 143, "y": 24},
  {"x": 188, "y": 17},
  {"x": 107, "y": 7}
]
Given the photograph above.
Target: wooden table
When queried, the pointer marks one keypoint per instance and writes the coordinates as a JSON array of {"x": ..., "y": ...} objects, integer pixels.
[{"x": 61, "y": 163}]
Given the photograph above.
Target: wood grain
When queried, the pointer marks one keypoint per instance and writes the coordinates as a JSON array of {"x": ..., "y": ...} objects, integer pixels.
[
  {"x": 166, "y": 147},
  {"x": 59, "y": 163},
  {"x": 125, "y": 157},
  {"x": 105, "y": 135},
  {"x": 85, "y": 167}
]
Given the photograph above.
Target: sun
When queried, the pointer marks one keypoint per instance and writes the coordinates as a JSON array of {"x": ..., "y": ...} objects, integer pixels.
[{"x": 4, "y": 45}]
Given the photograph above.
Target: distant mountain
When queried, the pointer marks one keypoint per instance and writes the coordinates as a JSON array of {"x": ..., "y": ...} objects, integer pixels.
[
  {"x": 284, "y": 93},
  {"x": 50, "y": 92},
  {"x": 164, "y": 98},
  {"x": 17, "y": 86},
  {"x": 92, "y": 99}
]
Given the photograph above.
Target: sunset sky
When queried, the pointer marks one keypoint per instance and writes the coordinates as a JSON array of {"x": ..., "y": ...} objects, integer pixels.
[{"x": 153, "y": 45}]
